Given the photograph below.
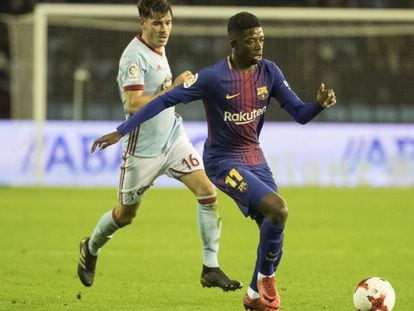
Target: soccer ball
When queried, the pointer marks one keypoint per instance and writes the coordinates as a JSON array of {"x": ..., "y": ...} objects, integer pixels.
[{"x": 374, "y": 294}]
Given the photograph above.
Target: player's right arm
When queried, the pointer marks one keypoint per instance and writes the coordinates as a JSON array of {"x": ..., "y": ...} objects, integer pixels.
[
  {"x": 146, "y": 112},
  {"x": 191, "y": 90},
  {"x": 135, "y": 100}
]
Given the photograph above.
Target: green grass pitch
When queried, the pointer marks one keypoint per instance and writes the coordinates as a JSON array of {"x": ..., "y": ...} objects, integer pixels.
[{"x": 334, "y": 238}]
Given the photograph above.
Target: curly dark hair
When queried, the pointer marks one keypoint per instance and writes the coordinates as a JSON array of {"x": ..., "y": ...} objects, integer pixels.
[
  {"x": 153, "y": 8},
  {"x": 242, "y": 21}
]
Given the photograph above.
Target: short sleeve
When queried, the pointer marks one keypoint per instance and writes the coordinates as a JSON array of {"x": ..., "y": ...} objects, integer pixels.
[{"x": 132, "y": 70}]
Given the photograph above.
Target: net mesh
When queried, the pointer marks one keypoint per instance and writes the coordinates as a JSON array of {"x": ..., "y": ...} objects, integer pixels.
[{"x": 368, "y": 63}]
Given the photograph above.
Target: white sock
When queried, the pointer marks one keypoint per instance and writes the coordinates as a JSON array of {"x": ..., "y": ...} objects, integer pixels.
[
  {"x": 209, "y": 227},
  {"x": 102, "y": 233},
  {"x": 252, "y": 293},
  {"x": 261, "y": 276}
]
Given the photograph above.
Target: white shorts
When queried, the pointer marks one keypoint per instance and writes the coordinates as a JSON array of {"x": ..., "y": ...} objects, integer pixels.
[{"x": 138, "y": 174}]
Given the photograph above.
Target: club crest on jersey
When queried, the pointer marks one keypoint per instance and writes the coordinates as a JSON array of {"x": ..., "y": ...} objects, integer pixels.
[
  {"x": 133, "y": 72},
  {"x": 189, "y": 82},
  {"x": 262, "y": 92},
  {"x": 167, "y": 82},
  {"x": 242, "y": 187}
]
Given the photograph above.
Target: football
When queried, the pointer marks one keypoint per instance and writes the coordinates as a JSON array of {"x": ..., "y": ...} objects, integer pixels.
[{"x": 374, "y": 294}]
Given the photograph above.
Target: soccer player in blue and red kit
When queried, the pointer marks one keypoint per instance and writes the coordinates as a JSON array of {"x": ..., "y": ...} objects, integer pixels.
[{"x": 236, "y": 92}]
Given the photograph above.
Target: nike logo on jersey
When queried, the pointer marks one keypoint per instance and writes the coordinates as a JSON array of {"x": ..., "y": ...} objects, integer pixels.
[{"x": 228, "y": 96}]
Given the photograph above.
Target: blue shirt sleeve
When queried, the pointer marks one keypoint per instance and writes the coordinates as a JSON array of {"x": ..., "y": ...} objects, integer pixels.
[
  {"x": 191, "y": 90},
  {"x": 300, "y": 112}
]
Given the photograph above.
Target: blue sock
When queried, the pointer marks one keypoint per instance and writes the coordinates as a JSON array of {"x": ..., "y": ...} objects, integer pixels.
[
  {"x": 253, "y": 282},
  {"x": 276, "y": 263},
  {"x": 269, "y": 250}
]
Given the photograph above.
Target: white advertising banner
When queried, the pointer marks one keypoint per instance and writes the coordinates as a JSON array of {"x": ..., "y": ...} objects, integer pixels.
[{"x": 318, "y": 154}]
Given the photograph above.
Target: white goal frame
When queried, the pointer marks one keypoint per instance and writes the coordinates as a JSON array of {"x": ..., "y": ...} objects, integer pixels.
[{"x": 44, "y": 11}]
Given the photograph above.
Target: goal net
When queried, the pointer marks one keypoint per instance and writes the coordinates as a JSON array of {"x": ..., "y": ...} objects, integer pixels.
[{"x": 66, "y": 68}]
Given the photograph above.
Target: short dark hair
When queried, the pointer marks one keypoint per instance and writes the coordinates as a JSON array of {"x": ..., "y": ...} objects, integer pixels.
[
  {"x": 242, "y": 21},
  {"x": 153, "y": 8}
]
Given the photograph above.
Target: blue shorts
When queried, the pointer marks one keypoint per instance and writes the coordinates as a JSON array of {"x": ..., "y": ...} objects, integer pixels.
[{"x": 245, "y": 184}]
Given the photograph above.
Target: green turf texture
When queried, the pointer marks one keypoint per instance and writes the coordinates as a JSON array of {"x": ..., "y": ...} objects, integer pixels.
[{"x": 334, "y": 238}]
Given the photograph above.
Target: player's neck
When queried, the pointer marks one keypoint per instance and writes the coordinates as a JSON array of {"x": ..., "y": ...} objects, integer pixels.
[
  {"x": 240, "y": 65},
  {"x": 145, "y": 39}
]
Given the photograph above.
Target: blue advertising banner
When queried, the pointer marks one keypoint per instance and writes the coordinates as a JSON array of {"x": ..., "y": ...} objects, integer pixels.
[{"x": 339, "y": 155}]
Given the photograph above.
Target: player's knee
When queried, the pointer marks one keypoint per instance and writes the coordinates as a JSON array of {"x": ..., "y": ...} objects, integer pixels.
[
  {"x": 125, "y": 220},
  {"x": 124, "y": 216},
  {"x": 279, "y": 213},
  {"x": 283, "y": 211},
  {"x": 273, "y": 207},
  {"x": 206, "y": 189}
]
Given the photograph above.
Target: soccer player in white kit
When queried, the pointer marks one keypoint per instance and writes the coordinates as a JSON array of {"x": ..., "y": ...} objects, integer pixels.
[{"x": 159, "y": 146}]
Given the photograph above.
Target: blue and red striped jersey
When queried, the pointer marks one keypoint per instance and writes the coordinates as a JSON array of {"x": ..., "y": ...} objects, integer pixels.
[{"x": 235, "y": 103}]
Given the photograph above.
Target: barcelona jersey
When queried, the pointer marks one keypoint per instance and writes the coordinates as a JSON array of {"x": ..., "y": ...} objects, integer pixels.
[{"x": 235, "y": 103}]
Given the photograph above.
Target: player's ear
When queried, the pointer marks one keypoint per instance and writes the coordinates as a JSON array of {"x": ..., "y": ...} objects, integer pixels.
[
  {"x": 141, "y": 22},
  {"x": 233, "y": 43}
]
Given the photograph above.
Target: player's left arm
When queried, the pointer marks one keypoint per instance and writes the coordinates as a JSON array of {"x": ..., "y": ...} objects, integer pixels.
[
  {"x": 305, "y": 112},
  {"x": 325, "y": 97},
  {"x": 301, "y": 112}
]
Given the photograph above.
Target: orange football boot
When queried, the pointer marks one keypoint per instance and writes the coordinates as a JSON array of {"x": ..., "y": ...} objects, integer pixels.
[
  {"x": 268, "y": 292},
  {"x": 256, "y": 304}
]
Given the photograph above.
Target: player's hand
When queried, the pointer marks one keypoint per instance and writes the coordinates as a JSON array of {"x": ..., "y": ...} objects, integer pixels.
[
  {"x": 182, "y": 78},
  {"x": 106, "y": 140},
  {"x": 325, "y": 97}
]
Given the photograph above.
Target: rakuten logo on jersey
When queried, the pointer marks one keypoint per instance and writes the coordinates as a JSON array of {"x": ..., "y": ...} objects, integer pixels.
[{"x": 240, "y": 118}]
